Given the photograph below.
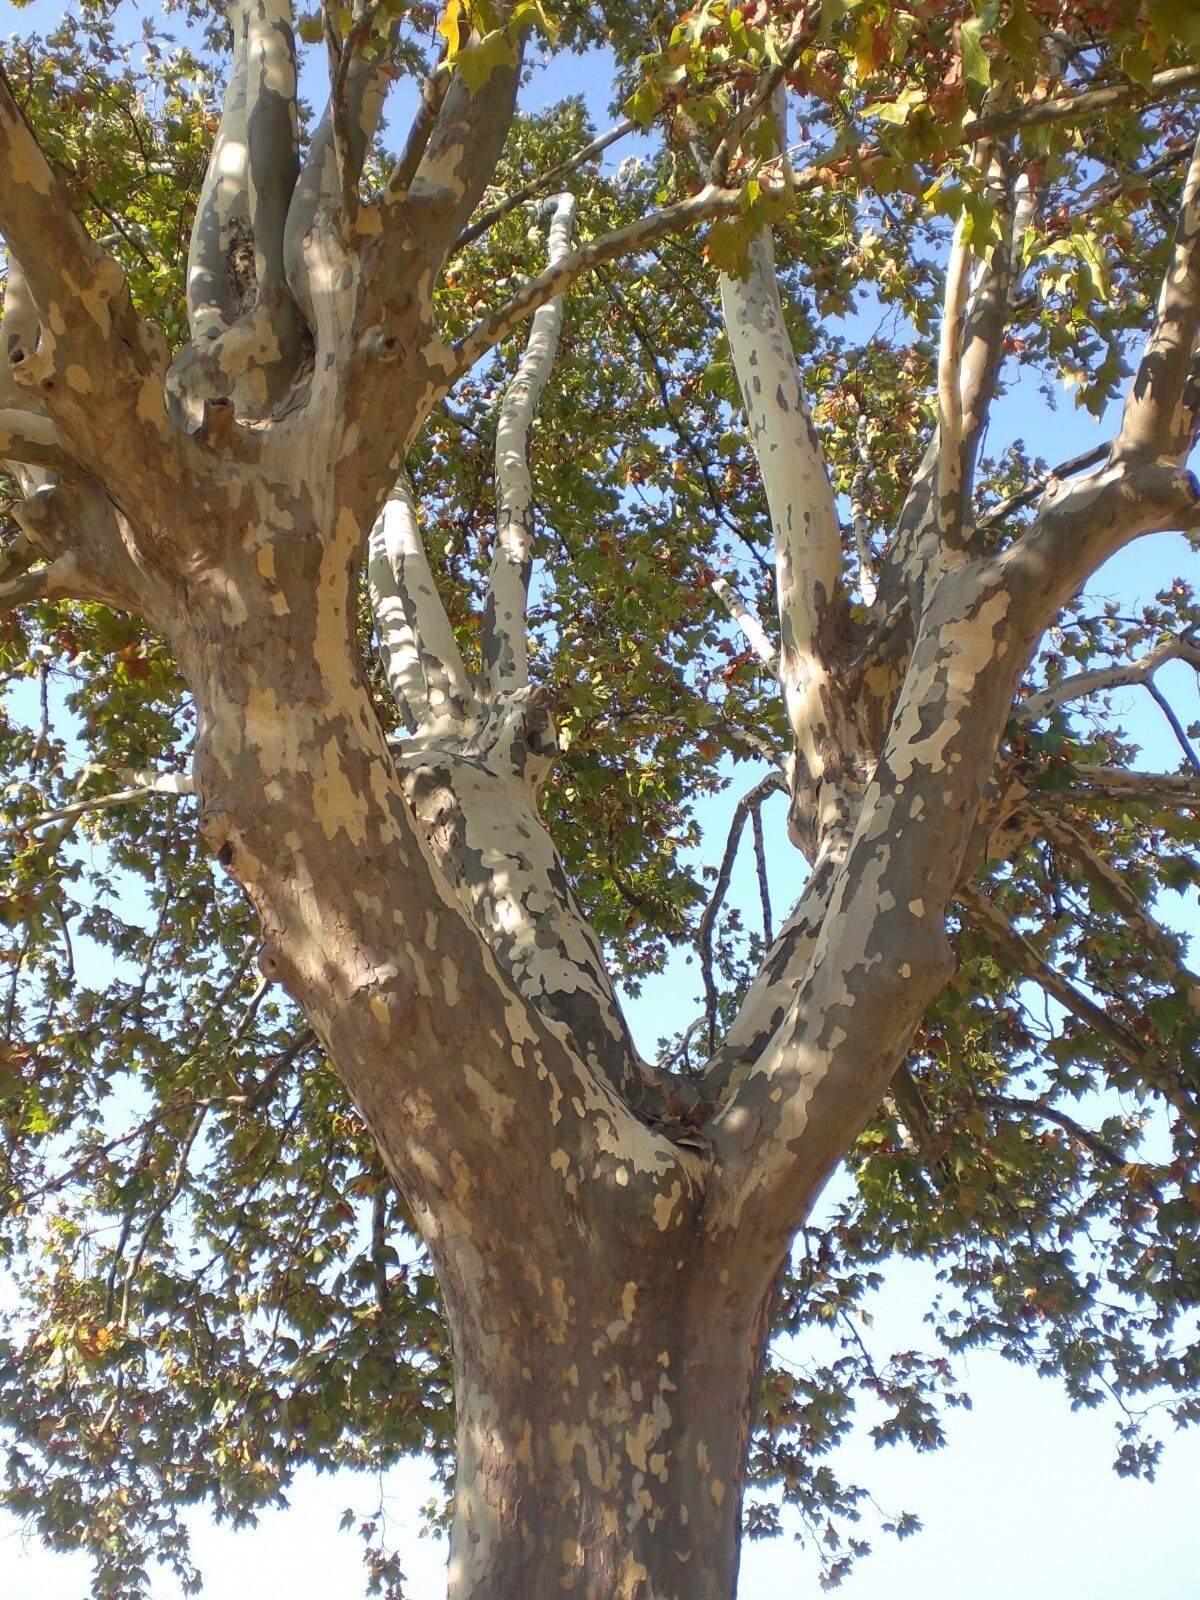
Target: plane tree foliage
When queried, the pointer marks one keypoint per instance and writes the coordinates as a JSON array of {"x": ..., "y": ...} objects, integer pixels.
[{"x": 223, "y": 1246}]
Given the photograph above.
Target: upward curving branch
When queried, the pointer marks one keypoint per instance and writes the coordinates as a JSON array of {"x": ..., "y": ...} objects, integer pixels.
[
  {"x": 1160, "y": 416},
  {"x": 505, "y": 661},
  {"x": 218, "y": 275},
  {"x": 420, "y": 655},
  {"x": 808, "y": 549},
  {"x": 79, "y": 291}
]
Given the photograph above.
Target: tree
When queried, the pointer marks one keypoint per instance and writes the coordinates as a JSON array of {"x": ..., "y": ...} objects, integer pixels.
[{"x": 216, "y": 503}]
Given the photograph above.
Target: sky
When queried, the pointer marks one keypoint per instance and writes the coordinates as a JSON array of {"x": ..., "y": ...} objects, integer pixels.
[{"x": 1021, "y": 1504}]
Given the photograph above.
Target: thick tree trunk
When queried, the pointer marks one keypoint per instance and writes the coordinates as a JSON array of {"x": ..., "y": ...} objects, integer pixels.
[
  {"x": 606, "y": 1351},
  {"x": 601, "y": 1445}
]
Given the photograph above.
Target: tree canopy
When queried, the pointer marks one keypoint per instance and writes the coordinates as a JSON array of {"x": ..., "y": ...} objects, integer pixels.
[{"x": 671, "y": 583}]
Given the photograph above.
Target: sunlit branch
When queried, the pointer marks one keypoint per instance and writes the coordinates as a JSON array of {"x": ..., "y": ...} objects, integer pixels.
[
  {"x": 949, "y": 384},
  {"x": 710, "y": 202},
  {"x": 320, "y": 188},
  {"x": 752, "y": 629},
  {"x": 170, "y": 783},
  {"x": 867, "y": 585},
  {"x": 417, "y": 645},
  {"x": 504, "y": 654},
  {"x": 31, "y": 439},
  {"x": 1159, "y": 417},
  {"x": 271, "y": 137},
  {"x": 1094, "y": 783},
  {"x": 1125, "y": 675},
  {"x": 222, "y": 221},
  {"x": 808, "y": 545},
  {"x": 1074, "y": 107},
  {"x": 547, "y": 180},
  {"x": 433, "y": 94},
  {"x": 18, "y": 343},
  {"x": 79, "y": 290},
  {"x": 1026, "y": 497},
  {"x": 58, "y": 580}
]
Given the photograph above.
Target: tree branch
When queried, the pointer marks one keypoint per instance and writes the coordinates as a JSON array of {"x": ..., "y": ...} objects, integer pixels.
[
  {"x": 1070, "y": 108},
  {"x": 321, "y": 188},
  {"x": 420, "y": 654},
  {"x": 1051, "y": 699},
  {"x": 488, "y": 332},
  {"x": 1159, "y": 418},
  {"x": 752, "y": 629},
  {"x": 546, "y": 180},
  {"x": 505, "y": 662},
  {"x": 223, "y": 209},
  {"x": 1094, "y": 783},
  {"x": 1090, "y": 1141},
  {"x": 808, "y": 546},
  {"x": 170, "y": 783},
  {"x": 1066, "y": 469},
  {"x": 78, "y": 289},
  {"x": 1113, "y": 886},
  {"x": 1029, "y": 960},
  {"x": 30, "y": 438},
  {"x": 749, "y": 802},
  {"x": 433, "y": 95},
  {"x": 58, "y": 580},
  {"x": 271, "y": 138}
]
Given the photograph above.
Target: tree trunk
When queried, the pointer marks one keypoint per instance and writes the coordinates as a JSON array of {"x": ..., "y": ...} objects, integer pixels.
[{"x": 602, "y": 1440}]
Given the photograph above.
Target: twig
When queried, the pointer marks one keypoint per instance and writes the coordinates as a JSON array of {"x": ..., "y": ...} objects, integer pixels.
[{"x": 545, "y": 181}]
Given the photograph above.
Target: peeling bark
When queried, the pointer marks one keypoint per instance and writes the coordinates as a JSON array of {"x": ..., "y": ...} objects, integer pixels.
[{"x": 607, "y": 1272}]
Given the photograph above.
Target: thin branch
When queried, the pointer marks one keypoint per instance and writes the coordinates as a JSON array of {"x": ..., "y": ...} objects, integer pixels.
[
  {"x": 927, "y": 1136},
  {"x": 433, "y": 95},
  {"x": 749, "y": 802},
  {"x": 710, "y": 202},
  {"x": 752, "y": 629},
  {"x": 1114, "y": 887},
  {"x": 1094, "y": 783},
  {"x": 867, "y": 585},
  {"x": 1070, "y": 108},
  {"x": 1026, "y": 497},
  {"x": 771, "y": 82},
  {"x": 760, "y": 864},
  {"x": 1029, "y": 960},
  {"x": 949, "y": 384},
  {"x": 545, "y": 181},
  {"x": 1091, "y": 1141},
  {"x": 337, "y": 52},
  {"x": 171, "y": 783},
  {"x": 1125, "y": 675},
  {"x": 1185, "y": 744}
]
